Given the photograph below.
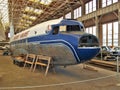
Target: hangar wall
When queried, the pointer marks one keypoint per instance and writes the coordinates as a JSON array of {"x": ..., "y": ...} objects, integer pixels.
[{"x": 100, "y": 16}]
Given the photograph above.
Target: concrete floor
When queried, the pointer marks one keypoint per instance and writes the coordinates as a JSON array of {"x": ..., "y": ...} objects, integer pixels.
[{"x": 74, "y": 77}]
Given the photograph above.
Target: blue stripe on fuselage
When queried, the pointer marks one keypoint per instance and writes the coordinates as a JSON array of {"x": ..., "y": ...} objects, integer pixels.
[
  {"x": 65, "y": 43},
  {"x": 43, "y": 40},
  {"x": 59, "y": 38}
]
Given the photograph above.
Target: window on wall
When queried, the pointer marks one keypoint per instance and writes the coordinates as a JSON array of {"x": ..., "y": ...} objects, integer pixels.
[
  {"x": 91, "y": 30},
  {"x": 86, "y": 8},
  {"x": 77, "y": 13},
  {"x": 104, "y": 28},
  {"x": 108, "y": 2},
  {"x": 114, "y": 1},
  {"x": 110, "y": 34},
  {"x": 68, "y": 15},
  {"x": 90, "y": 6},
  {"x": 115, "y": 33},
  {"x": 94, "y": 5}
]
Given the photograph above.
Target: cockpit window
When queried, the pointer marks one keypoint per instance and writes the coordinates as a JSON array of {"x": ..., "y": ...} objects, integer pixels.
[
  {"x": 73, "y": 28},
  {"x": 55, "y": 30},
  {"x": 82, "y": 28}
]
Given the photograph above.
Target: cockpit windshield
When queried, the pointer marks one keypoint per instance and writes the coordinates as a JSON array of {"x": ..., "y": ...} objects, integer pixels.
[
  {"x": 69, "y": 28},
  {"x": 73, "y": 28}
]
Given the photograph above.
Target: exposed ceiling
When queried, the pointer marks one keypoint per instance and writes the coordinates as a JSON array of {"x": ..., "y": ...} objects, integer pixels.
[
  {"x": 27, "y": 13},
  {"x": 4, "y": 11}
]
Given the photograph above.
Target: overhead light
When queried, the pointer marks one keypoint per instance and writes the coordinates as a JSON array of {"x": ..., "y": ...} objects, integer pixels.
[
  {"x": 38, "y": 11},
  {"x": 34, "y": 0},
  {"x": 25, "y": 16},
  {"x": 28, "y": 22},
  {"x": 45, "y": 2},
  {"x": 26, "y": 25},
  {"x": 33, "y": 10},
  {"x": 29, "y": 9},
  {"x": 32, "y": 17}
]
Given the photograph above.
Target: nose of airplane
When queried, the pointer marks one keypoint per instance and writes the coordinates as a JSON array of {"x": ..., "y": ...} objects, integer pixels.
[
  {"x": 87, "y": 53},
  {"x": 88, "y": 47},
  {"x": 88, "y": 40}
]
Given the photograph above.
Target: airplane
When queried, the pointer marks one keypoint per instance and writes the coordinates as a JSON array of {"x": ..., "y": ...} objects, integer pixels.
[{"x": 64, "y": 40}]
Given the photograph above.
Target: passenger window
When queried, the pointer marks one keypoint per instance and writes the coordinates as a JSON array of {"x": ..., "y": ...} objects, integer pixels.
[{"x": 55, "y": 30}]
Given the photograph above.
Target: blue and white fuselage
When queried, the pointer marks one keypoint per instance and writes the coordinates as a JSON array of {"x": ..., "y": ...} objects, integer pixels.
[{"x": 66, "y": 42}]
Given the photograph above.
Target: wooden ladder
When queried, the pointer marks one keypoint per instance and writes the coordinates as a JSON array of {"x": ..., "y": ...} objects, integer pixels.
[
  {"x": 30, "y": 59},
  {"x": 43, "y": 61}
]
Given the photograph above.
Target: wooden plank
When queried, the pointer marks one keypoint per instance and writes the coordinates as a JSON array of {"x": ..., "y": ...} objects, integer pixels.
[
  {"x": 42, "y": 64},
  {"x": 105, "y": 63}
]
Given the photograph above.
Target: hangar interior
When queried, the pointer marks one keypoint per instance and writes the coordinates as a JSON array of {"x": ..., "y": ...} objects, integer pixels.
[{"x": 100, "y": 18}]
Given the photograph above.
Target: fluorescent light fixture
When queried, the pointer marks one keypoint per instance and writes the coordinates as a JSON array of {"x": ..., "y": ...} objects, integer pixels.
[
  {"x": 33, "y": 10},
  {"x": 29, "y": 9},
  {"x": 28, "y": 22},
  {"x": 25, "y": 16},
  {"x": 38, "y": 11},
  {"x": 26, "y": 25},
  {"x": 34, "y": 0},
  {"x": 32, "y": 17},
  {"x": 45, "y": 2}
]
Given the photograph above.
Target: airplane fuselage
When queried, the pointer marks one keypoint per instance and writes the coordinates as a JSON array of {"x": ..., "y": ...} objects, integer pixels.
[{"x": 66, "y": 48}]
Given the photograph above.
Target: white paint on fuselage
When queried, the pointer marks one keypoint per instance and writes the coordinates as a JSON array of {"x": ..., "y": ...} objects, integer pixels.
[{"x": 39, "y": 29}]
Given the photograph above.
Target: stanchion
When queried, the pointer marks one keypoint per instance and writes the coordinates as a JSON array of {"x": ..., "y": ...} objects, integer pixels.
[
  {"x": 101, "y": 54},
  {"x": 117, "y": 65},
  {"x": 117, "y": 72}
]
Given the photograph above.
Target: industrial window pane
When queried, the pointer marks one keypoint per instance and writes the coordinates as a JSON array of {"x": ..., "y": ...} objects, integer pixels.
[
  {"x": 104, "y": 33},
  {"x": 115, "y": 34},
  {"x": 90, "y": 7},
  {"x": 94, "y": 30},
  {"x": 86, "y": 8},
  {"x": 109, "y": 2},
  {"x": 90, "y": 30},
  {"x": 94, "y": 5},
  {"x": 77, "y": 12},
  {"x": 68, "y": 15},
  {"x": 104, "y": 44},
  {"x": 86, "y": 30},
  {"x": 114, "y": 1},
  {"x": 110, "y": 34},
  {"x": 75, "y": 16},
  {"x": 80, "y": 13},
  {"x": 104, "y": 3}
]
